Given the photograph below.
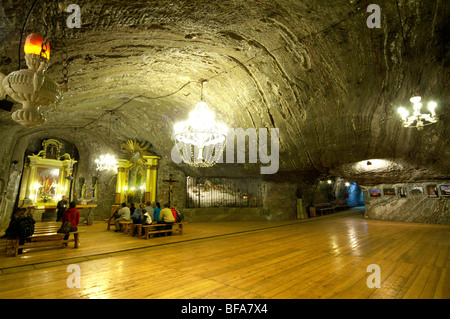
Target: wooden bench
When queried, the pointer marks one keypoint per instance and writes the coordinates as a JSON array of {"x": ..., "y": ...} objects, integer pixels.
[
  {"x": 43, "y": 238},
  {"x": 340, "y": 205},
  {"x": 139, "y": 229},
  {"x": 39, "y": 228},
  {"x": 154, "y": 229},
  {"x": 125, "y": 225},
  {"x": 323, "y": 208}
]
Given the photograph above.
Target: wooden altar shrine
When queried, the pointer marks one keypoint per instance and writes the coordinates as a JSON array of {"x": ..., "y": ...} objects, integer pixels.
[
  {"x": 136, "y": 183},
  {"x": 45, "y": 176}
]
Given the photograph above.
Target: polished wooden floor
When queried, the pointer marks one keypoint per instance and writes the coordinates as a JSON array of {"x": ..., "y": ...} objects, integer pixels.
[{"x": 315, "y": 258}]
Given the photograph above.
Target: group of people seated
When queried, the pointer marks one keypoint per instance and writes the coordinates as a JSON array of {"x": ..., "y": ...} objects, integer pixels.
[
  {"x": 148, "y": 214},
  {"x": 22, "y": 224}
]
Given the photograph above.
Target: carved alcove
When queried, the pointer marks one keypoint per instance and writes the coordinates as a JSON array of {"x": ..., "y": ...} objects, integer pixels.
[
  {"x": 46, "y": 175},
  {"x": 136, "y": 175}
]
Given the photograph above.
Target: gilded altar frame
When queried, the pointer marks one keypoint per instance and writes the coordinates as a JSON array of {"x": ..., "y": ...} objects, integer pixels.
[
  {"x": 148, "y": 186},
  {"x": 44, "y": 179}
]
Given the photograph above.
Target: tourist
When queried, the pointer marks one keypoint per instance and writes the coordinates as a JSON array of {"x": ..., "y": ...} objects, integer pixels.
[
  {"x": 166, "y": 217},
  {"x": 137, "y": 215},
  {"x": 61, "y": 207},
  {"x": 71, "y": 215},
  {"x": 156, "y": 211},
  {"x": 146, "y": 217},
  {"x": 124, "y": 214},
  {"x": 132, "y": 208},
  {"x": 21, "y": 226},
  {"x": 150, "y": 209},
  {"x": 174, "y": 213},
  {"x": 139, "y": 209}
]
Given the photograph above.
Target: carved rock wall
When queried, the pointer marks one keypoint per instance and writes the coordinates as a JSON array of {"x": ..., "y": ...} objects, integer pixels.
[{"x": 412, "y": 208}]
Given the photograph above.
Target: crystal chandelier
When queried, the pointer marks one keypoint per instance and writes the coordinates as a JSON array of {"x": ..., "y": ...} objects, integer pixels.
[
  {"x": 106, "y": 162},
  {"x": 418, "y": 120},
  {"x": 200, "y": 140}
]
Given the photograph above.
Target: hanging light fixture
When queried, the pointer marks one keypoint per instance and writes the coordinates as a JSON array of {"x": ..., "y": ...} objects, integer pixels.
[
  {"x": 31, "y": 87},
  {"x": 200, "y": 140},
  {"x": 107, "y": 162},
  {"x": 417, "y": 119}
]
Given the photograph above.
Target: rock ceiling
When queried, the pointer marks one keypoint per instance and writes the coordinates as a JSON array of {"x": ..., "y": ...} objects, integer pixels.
[{"x": 311, "y": 68}]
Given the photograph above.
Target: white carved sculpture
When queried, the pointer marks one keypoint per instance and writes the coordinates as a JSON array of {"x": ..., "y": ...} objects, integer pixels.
[{"x": 32, "y": 88}]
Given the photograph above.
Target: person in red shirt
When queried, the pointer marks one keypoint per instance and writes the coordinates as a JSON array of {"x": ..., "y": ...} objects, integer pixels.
[
  {"x": 175, "y": 214},
  {"x": 71, "y": 215}
]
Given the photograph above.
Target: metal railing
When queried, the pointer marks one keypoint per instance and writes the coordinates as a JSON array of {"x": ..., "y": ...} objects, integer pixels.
[{"x": 222, "y": 192}]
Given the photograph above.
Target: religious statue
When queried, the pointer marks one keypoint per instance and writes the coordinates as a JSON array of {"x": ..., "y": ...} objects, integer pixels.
[
  {"x": 83, "y": 190},
  {"x": 96, "y": 189},
  {"x": 170, "y": 182}
]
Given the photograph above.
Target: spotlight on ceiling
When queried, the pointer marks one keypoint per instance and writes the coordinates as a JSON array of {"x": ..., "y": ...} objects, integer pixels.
[{"x": 369, "y": 163}]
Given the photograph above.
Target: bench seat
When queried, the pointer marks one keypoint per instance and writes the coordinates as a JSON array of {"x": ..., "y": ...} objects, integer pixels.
[
  {"x": 161, "y": 228},
  {"x": 324, "y": 208},
  {"x": 43, "y": 239},
  {"x": 125, "y": 225},
  {"x": 139, "y": 229}
]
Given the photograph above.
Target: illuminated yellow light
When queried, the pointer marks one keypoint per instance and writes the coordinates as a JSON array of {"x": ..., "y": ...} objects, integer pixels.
[
  {"x": 200, "y": 129},
  {"x": 403, "y": 113},
  {"x": 33, "y": 45},
  {"x": 432, "y": 106},
  {"x": 415, "y": 99}
]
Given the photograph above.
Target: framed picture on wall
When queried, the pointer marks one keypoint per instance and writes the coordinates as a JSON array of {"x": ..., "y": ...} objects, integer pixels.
[
  {"x": 375, "y": 193},
  {"x": 445, "y": 190},
  {"x": 432, "y": 191},
  {"x": 416, "y": 190},
  {"x": 401, "y": 191},
  {"x": 389, "y": 191}
]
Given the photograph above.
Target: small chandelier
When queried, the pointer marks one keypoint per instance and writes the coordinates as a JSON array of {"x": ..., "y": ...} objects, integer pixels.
[
  {"x": 418, "y": 120},
  {"x": 31, "y": 87},
  {"x": 106, "y": 162},
  {"x": 200, "y": 140}
]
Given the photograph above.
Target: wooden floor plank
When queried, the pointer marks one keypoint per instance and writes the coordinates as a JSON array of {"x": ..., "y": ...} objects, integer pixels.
[{"x": 325, "y": 258}]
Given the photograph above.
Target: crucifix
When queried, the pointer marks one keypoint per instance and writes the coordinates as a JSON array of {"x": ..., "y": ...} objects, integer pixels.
[{"x": 170, "y": 182}]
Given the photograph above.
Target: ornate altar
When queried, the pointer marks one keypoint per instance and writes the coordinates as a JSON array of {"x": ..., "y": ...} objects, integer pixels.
[
  {"x": 136, "y": 175},
  {"x": 44, "y": 179}
]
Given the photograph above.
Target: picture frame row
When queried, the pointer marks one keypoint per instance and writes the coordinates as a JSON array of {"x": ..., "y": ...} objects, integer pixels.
[{"x": 430, "y": 190}]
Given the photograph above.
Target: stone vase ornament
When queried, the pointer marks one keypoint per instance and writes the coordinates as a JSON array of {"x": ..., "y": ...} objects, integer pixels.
[{"x": 31, "y": 87}]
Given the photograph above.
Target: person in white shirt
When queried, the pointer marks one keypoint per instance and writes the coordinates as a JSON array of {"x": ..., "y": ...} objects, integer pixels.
[
  {"x": 124, "y": 214},
  {"x": 146, "y": 217},
  {"x": 149, "y": 209}
]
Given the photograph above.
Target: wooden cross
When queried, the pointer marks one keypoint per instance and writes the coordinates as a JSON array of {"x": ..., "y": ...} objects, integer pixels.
[{"x": 170, "y": 182}]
